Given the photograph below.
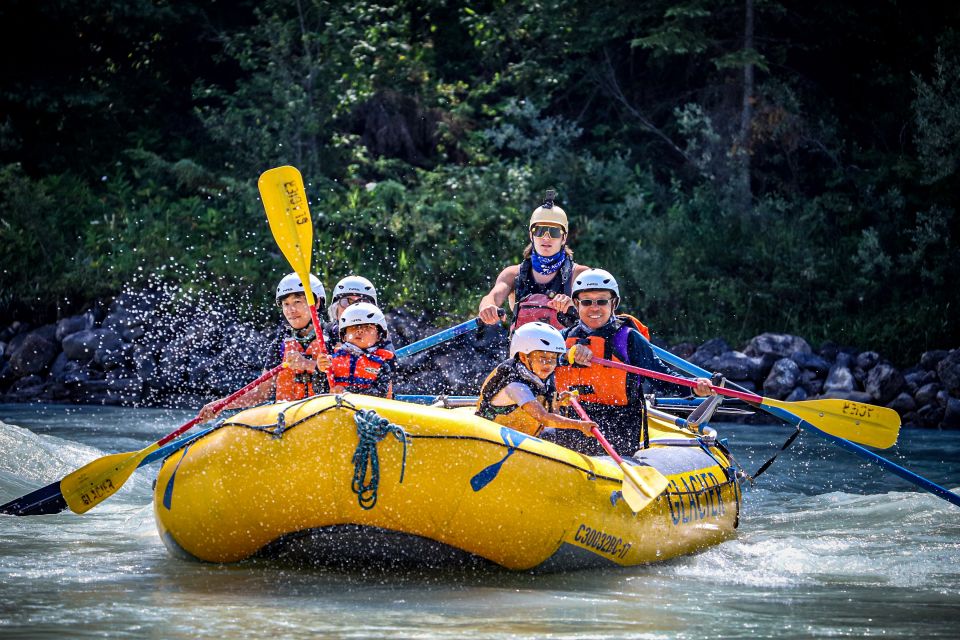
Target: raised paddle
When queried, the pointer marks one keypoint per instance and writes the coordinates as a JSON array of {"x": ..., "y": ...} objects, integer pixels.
[
  {"x": 641, "y": 484},
  {"x": 863, "y": 423},
  {"x": 442, "y": 336},
  {"x": 96, "y": 481},
  {"x": 285, "y": 201},
  {"x": 791, "y": 418}
]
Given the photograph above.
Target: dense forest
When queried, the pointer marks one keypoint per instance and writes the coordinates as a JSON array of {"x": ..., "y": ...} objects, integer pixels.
[{"x": 740, "y": 166}]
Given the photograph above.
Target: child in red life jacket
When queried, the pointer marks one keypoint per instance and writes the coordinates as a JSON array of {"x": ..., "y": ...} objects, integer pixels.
[
  {"x": 362, "y": 363},
  {"x": 296, "y": 345}
]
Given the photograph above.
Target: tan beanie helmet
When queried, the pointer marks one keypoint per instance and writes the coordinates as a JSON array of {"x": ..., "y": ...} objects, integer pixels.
[{"x": 549, "y": 213}]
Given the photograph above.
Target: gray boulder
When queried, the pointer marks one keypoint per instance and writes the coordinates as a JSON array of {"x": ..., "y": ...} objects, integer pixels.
[
  {"x": 930, "y": 359},
  {"x": 811, "y": 362},
  {"x": 783, "y": 378},
  {"x": 735, "y": 365},
  {"x": 839, "y": 379},
  {"x": 797, "y": 395},
  {"x": 948, "y": 370},
  {"x": 812, "y": 384},
  {"x": 708, "y": 351},
  {"x": 779, "y": 344},
  {"x": 916, "y": 379},
  {"x": 883, "y": 383},
  {"x": 83, "y": 345},
  {"x": 903, "y": 404},
  {"x": 73, "y": 324},
  {"x": 34, "y": 354},
  {"x": 927, "y": 393},
  {"x": 951, "y": 414},
  {"x": 867, "y": 360},
  {"x": 929, "y": 416}
]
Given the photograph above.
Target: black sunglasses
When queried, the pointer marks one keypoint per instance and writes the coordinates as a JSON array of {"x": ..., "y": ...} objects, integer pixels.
[
  {"x": 540, "y": 230},
  {"x": 600, "y": 303}
]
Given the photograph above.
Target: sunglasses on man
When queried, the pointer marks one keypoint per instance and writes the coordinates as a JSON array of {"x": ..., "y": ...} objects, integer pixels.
[
  {"x": 541, "y": 230},
  {"x": 602, "y": 302}
]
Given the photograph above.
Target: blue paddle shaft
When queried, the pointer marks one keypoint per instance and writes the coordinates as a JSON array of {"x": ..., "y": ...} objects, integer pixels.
[{"x": 438, "y": 338}]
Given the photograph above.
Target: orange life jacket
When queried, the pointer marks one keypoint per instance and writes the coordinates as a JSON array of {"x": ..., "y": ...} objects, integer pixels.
[
  {"x": 357, "y": 371},
  {"x": 296, "y": 385},
  {"x": 601, "y": 385}
]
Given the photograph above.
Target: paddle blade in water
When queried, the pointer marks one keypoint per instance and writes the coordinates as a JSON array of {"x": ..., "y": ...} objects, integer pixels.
[
  {"x": 285, "y": 201},
  {"x": 867, "y": 424}
]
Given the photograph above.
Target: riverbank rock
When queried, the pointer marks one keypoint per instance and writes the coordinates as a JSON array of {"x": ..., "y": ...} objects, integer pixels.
[{"x": 141, "y": 350}]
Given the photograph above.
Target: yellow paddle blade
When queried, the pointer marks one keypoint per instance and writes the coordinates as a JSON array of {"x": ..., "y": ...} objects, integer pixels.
[
  {"x": 867, "y": 424},
  {"x": 93, "y": 483},
  {"x": 285, "y": 201},
  {"x": 641, "y": 485}
]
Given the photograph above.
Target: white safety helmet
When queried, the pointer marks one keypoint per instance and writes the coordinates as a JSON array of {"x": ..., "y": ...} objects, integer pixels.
[
  {"x": 536, "y": 336},
  {"x": 291, "y": 284},
  {"x": 596, "y": 280},
  {"x": 549, "y": 213},
  {"x": 354, "y": 286},
  {"x": 362, "y": 313}
]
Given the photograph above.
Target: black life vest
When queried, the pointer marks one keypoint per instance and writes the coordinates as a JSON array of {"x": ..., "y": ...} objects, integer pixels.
[
  {"x": 525, "y": 285},
  {"x": 506, "y": 373}
]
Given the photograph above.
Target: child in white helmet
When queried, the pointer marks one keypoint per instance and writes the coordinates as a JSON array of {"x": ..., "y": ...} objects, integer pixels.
[
  {"x": 362, "y": 363},
  {"x": 520, "y": 392},
  {"x": 296, "y": 345}
]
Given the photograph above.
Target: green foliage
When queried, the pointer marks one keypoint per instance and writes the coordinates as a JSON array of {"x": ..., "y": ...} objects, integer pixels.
[{"x": 132, "y": 135}]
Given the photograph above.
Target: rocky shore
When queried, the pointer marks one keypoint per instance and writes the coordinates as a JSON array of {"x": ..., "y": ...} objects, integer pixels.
[{"x": 144, "y": 350}]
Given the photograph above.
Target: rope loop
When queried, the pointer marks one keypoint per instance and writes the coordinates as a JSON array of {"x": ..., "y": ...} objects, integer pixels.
[{"x": 371, "y": 429}]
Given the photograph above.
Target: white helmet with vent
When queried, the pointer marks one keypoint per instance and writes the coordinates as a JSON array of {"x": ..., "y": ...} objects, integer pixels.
[
  {"x": 537, "y": 336},
  {"x": 595, "y": 280},
  {"x": 362, "y": 313},
  {"x": 291, "y": 284}
]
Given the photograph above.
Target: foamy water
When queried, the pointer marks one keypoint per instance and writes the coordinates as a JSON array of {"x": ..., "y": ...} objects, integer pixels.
[{"x": 828, "y": 546}]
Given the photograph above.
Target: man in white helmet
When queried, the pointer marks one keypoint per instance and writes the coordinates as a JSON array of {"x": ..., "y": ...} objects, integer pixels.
[
  {"x": 539, "y": 287},
  {"x": 362, "y": 363},
  {"x": 296, "y": 345},
  {"x": 520, "y": 392},
  {"x": 610, "y": 396}
]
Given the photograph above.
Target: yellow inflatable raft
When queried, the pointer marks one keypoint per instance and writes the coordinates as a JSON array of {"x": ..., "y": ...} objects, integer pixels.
[{"x": 352, "y": 478}]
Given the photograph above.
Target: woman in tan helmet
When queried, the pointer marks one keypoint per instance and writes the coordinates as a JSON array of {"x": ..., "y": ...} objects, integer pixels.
[{"x": 539, "y": 287}]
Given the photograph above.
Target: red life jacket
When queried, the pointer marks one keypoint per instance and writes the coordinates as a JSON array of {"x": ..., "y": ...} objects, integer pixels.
[
  {"x": 357, "y": 371},
  {"x": 534, "y": 308},
  {"x": 296, "y": 385}
]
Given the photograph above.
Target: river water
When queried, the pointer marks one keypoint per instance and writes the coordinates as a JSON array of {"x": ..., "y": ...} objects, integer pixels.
[{"x": 828, "y": 546}]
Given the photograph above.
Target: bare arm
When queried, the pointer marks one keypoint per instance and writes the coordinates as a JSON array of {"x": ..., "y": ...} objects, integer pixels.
[
  {"x": 498, "y": 294},
  {"x": 544, "y": 417}
]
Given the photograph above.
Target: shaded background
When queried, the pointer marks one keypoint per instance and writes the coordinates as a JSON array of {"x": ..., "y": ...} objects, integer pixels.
[{"x": 740, "y": 166}]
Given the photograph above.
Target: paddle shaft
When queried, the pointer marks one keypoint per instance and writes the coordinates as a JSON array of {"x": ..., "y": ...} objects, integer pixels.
[
  {"x": 442, "y": 336},
  {"x": 220, "y": 405},
  {"x": 596, "y": 432},
  {"x": 790, "y": 418}
]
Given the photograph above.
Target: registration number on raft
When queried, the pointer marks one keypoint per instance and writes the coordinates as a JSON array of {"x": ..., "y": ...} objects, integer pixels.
[{"x": 601, "y": 542}]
